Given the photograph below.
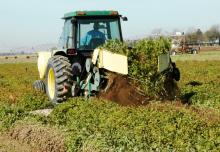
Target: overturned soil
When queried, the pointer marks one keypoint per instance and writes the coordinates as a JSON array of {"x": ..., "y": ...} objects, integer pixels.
[
  {"x": 10, "y": 145},
  {"x": 32, "y": 138},
  {"x": 121, "y": 91}
]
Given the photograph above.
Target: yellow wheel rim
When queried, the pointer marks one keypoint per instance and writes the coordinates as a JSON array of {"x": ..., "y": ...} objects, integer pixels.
[{"x": 51, "y": 83}]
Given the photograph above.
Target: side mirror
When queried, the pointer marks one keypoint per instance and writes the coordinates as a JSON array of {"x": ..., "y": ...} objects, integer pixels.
[{"x": 124, "y": 18}]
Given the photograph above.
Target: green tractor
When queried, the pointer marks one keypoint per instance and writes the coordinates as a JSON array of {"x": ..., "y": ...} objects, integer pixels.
[{"x": 78, "y": 67}]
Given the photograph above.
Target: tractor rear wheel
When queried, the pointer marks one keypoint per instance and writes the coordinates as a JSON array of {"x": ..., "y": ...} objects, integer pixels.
[{"x": 58, "y": 79}]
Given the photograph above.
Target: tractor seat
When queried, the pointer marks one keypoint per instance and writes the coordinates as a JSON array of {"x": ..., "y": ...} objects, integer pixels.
[{"x": 96, "y": 42}]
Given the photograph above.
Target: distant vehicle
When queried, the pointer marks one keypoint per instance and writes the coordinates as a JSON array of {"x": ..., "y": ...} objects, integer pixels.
[
  {"x": 183, "y": 48},
  {"x": 180, "y": 45}
]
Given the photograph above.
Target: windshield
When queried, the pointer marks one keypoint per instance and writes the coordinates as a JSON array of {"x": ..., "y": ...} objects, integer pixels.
[
  {"x": 65, "y": 39},
  {"x": 94, "y": 32}
]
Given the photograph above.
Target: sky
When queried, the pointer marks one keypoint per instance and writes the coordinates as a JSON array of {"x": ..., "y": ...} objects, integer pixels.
[{"x": 35, "y": 22}]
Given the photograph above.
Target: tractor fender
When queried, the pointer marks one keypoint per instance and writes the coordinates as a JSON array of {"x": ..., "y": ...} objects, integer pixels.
[
  {"x": 62, "y": 52},
  {"x": 43, "y": 58}
]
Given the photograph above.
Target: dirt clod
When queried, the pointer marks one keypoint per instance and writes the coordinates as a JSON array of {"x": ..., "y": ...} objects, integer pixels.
[
  {"x": 42, "y": 112},
  {"x": 39, "y": 137},
  {"x": 123, "y": 92}
]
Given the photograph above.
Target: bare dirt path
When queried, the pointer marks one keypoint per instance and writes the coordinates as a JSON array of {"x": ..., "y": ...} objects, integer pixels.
[
  {"x": 7, "y": 144},
  {"x": 32, "y": 138}
]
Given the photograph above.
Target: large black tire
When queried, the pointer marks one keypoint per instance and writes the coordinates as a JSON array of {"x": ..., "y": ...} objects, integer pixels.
[
  {"x": 194, "y": 51},
  {"x": 173, "y": 53},
  {"x": 58, "y": 79},
  {"x": 39, "y": 86},
  {"x": 176, "y": 74}
]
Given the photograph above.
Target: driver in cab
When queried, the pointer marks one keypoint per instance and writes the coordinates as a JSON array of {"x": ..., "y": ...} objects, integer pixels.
[{"x": 93, "y": 34}]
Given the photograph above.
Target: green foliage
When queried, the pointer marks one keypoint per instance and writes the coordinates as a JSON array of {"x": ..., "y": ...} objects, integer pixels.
[
  {"x": 33, "y": 101},
  {"x": 100, "y": 126},
  {"x": 17, "y": 97},
  {"x": 16, "y": 80},
  {"x": 200, "y": 83},
  {"x": 143, "y": 64},
  {"x": 115, "y": 46},
  {"x": 9, "y": 114}
]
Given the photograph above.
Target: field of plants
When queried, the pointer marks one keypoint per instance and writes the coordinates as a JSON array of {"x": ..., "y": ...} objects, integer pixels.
[
  {"x": 18, "y": 58},
  {"x": 189, "y": 123}
]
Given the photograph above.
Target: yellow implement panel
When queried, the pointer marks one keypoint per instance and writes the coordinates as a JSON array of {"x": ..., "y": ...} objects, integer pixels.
[
  {"x": 111, "y": 61},
  {"x": 163, "y": 62}
]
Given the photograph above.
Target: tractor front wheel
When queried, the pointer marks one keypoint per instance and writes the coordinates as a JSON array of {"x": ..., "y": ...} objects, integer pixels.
[
  {"x": 39, "y": 86},
  {"x": 58, "y": 79}
]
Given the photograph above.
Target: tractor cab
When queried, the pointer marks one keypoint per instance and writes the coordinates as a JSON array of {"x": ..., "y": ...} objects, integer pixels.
[{"x": 84, "y": 31}]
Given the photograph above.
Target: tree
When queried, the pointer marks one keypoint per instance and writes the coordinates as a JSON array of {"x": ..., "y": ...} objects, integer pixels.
[
  {"x": 213, "y": 33},
  {"x": 157, "y": 31},
  {"x": 199, "y": 36},
  {"x": 194, "y": 36}
]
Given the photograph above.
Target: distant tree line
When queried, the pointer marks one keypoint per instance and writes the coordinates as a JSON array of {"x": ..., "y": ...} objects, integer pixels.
[
  {"x": 209, "y": 37},
  {"x": 13, "y": 53}
]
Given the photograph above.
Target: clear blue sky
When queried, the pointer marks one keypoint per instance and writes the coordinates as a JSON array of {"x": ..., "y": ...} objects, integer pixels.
[{"x": 33, "y": 22}]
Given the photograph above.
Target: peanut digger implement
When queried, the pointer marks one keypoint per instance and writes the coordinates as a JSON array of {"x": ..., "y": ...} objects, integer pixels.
[{"x": 79, "y": 67}]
